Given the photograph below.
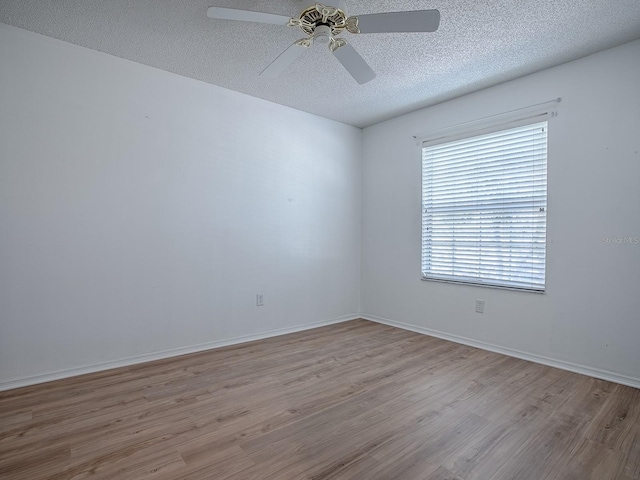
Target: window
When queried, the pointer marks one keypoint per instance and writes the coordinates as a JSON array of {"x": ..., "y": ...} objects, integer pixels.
[{"x": 484, "y": 207}]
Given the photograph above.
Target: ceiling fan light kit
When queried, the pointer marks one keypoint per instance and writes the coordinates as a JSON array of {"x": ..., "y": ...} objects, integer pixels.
[{"x": 321, "y": 24}]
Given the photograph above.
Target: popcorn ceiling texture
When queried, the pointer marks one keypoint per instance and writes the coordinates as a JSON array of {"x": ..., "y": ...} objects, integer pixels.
[{"x": 479, "y": 44}]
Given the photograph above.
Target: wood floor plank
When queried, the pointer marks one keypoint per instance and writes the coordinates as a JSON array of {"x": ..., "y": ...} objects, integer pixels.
[
  {"x": 631, "y": 451},
  {"x": 11, "y": 419},
  {"x": 351, "y": 401},
  {"x": 542, "y": 453},
  {"x": 40, "y": 464},
  {"x": 498, "y": 442},
  {"x": 589, "y": 460},
  {"x": 615, "y": 422},
  {"x": 231, "y": 463}
]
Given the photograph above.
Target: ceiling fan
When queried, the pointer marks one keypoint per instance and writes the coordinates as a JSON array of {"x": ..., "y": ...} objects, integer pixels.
[{"x": 322, "y": 23}]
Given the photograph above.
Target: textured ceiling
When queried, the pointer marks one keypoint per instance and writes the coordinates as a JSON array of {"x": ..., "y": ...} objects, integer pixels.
[{"x": 478, "y": 44}]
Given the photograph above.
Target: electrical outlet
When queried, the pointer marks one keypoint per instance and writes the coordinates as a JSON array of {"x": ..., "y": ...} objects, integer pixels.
[
  {"x": 480, "y": 306},
  {"x": 259, "y": 299}
]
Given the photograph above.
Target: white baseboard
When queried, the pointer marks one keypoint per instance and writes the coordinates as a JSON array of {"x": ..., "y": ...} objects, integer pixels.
[
  {"x": 551, "y": 362},
  {"x": 174, "y": 352},
  {"x": 148, "y": 357}
]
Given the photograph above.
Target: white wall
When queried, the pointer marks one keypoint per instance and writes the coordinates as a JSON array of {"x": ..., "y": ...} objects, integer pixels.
[
  {"x": 141, "y": 211},
  {"x": 590, "y": 315}
]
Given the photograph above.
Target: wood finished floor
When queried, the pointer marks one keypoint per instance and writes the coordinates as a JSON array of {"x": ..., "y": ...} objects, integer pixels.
[{"x": 355, "y": 400}]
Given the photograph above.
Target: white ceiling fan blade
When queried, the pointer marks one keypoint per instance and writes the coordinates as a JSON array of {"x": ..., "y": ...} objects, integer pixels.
[
  {"x": 285, "y": 59},
  {"x": 246, "y": 16},
  {"x": 400, "y": 22},
  {"x": 354, "y": 63},
  {"x": 342, "y": 5}
]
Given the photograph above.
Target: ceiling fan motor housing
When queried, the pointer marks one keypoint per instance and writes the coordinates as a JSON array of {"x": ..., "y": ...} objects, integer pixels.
[{"x": 322, "y": 16}]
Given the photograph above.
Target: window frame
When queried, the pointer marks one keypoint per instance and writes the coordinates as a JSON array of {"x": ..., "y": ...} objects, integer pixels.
[{"x": 453, "y": 135}]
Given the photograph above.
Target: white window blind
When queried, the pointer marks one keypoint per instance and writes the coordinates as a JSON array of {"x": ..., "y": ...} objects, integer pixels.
[{"x": 484, "y": 208}]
